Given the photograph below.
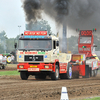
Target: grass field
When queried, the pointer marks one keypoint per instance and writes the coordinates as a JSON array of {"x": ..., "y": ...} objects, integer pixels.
[
  {"x": 9, "y": 73},
  {"x": 96, "y": 98}
]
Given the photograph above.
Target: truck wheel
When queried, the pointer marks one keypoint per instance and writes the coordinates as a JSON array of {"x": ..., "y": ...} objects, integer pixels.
[
  {"x": 87, "y": 71},
  {"x": 9, "y": 59},
  {"x": 55, "y": 75},
  {"x": 95, "y": 72},
  {"x": 92, "y": 73},
  {"x": 67, "y": 75},
  {"x": 24, "y": 75},
  {"x": 69, "y": 71},
  {"x": 40, "y": 76}
]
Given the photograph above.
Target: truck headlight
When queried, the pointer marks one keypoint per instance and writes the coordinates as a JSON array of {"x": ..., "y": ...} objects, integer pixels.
[
  {"x": 21, "y": 66},
  {"x": 46, "y": 66}
]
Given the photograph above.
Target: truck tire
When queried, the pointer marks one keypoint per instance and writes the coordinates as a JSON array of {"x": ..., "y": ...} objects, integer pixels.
[
  {"x": 9, "y": 59},
  {"x": 95, "y": 72},
  {"x": 69, "y": 71},
  {"x": 40, "y": 76},
  {"x": 67, "y": 75},
  {"x": 55, "y": 75},
  {"x": 92, "y": 73},
  {"x": 24, "y": 75},
  {"x": 87, "y": 72}
]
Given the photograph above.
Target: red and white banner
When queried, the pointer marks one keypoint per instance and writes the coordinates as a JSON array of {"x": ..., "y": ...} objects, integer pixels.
[{"x": 35, "y": 33}]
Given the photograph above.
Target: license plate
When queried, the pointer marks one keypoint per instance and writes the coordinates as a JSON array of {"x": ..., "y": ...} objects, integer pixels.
[
  {"x": 33, "y": 66},
  {"x": 33, "y": 69}
]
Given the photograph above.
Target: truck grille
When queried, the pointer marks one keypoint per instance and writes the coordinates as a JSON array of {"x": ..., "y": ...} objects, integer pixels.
[{"x": 33, "y": 58}]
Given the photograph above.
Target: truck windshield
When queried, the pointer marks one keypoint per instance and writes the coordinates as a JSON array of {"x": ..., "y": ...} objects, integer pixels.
[
  {"x": 86, "y": 40},
  {"x": 35, "y": 45}
]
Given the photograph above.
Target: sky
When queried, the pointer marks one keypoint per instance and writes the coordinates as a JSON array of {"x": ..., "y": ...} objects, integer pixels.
[{"x": 12, "y": 15}]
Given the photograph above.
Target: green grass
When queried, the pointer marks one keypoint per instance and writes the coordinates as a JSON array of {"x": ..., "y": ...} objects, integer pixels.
[
  {"x": 96, "y": 98},
  {"x": 2, "y": 73}
]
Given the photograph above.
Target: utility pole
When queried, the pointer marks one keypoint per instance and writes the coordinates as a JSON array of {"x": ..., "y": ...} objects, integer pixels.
[{"x": 64, "y": 39}]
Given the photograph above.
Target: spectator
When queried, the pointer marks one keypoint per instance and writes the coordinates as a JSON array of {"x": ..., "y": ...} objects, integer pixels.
[{"x": 5, "y": 56}]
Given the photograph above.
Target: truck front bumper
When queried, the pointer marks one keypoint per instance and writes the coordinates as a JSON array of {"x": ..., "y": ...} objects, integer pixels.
[{"x": 34, "y": 67}]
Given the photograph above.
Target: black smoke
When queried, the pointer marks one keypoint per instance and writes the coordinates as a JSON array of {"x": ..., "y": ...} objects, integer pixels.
[
  {"x": 82, "y": 14},
  {"x": 56, "y": 9},
  {"x": 32, "y": 10}
]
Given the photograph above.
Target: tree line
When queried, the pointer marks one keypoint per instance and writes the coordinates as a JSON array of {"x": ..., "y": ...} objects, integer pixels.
[{"x": 7, "y": 44}]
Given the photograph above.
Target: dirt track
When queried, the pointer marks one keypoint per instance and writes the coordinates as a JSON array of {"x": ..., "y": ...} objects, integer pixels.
[
  {"x": 10, "y": 67},
  {"x": 13, "y": 88}
]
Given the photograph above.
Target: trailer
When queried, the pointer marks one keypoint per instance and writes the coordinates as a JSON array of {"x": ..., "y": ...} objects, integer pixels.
[
  {"x": 86, "y": 63},
  {"x": 38, "y": 54}
]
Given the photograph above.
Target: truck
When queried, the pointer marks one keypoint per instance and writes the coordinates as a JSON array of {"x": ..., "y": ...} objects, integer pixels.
[
  {"x": 38, "y": 54},
  {"x": 85, "y": 63}
]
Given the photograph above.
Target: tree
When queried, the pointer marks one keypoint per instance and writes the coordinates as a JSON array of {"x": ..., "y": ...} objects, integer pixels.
[
  {"x": 3, "y": 38},
  {"x": 3, "y": 35},
  {"x": 97, "y": 42},
  {"x": 10, "y": 45},
  {"x": 72, "y": 44},
  {"x": 1, "y": 49},
  {"x": 39, "y": 26}
]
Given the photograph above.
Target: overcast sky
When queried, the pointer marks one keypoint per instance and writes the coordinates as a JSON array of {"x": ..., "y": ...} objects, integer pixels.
[{"x": 12, "y": 15}]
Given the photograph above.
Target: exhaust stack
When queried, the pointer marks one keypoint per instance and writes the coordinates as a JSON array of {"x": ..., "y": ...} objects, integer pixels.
[{"x": 64, "y": 39}]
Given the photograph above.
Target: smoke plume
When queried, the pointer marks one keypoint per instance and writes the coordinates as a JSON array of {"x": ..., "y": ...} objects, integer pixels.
[
  {"x": 82, "y": 14},
  {"x": 32, "y": 10}
]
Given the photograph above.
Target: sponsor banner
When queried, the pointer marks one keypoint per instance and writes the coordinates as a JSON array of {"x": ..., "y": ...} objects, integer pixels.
[
  {"x": 28, "y": 53},
  {"x": 35, "y": 33},
  {"x": 32, "y": 53},
  {"x": 95, "y": 64},
  {"x": 84, "y": 49},
  {"x": 41, "y": 52}
]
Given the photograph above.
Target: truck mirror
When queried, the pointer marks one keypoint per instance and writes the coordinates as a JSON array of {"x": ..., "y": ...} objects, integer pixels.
[
  {"x": 15, "y": 45},
  {"x": 57, "y": 43},
  {"x": 95, "y": 46},
  {"x": 54, "y": 44}
]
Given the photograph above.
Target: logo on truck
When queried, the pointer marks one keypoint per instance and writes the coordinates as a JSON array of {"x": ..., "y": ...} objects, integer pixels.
[
  {"x": 84, "y": 49},
  {"x": 33, "y": 58}
]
